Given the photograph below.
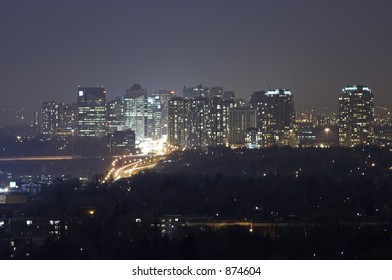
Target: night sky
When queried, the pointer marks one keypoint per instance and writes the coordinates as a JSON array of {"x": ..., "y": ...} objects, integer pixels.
[{"x": 312, "y": 47}]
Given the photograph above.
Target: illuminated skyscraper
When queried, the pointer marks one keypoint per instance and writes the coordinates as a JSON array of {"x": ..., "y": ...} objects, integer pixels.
[
  {"x": 356, "y": 114},
  {"x": 200, "y": 119},
  {"x": 275, "y": 117},
  {"x": 227, "y": 105},
  {"x": 215, "y": 122},
  {"x": 153, "y": 117},
  {"x": 176, "y": 122},
  {"x": 134, "y": 111},
  {"x": 257, "y": 102},
  {"x": 164, "y": 97},
  {"x": 91, "y": 102},
  {"x": 196, "y": 122}
]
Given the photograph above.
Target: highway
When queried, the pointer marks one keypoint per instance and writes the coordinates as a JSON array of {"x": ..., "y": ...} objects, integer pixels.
[
  {"x": 127, "y": 166},
  {"x": 153, "y": 151},
  {"x": 38, "y": 158}
]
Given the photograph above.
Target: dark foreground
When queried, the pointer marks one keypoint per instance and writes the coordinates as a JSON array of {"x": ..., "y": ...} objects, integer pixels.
[{"x": 267, "y": 204}]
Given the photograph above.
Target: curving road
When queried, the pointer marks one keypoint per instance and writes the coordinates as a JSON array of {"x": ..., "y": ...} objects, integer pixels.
[{"x": 126, "y": 167}]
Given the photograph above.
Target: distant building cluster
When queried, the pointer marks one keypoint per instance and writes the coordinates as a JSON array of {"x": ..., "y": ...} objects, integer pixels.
[
  {"x": 209, "y": 116},
  {"x": 213, "y": 117},
  {"x": 125, "y": 120}
]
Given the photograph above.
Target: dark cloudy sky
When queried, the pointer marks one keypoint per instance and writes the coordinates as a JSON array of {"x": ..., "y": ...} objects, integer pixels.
[{"x": 313, "y": 47}]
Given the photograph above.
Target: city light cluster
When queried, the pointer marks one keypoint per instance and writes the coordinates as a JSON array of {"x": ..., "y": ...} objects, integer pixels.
[{"x": 142, "y": 121}]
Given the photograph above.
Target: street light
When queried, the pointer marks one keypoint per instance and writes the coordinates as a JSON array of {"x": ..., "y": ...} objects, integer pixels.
[{"x": 327, "y": 132}]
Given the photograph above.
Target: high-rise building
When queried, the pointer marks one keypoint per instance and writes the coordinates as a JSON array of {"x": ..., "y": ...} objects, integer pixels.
[
  {"x": 356, "y": 114},
  {"x": 164, "y": 96},
  {"x": 91, "y": 103},
  {"x": 257, "y": 102},
  {"x": 49, "y": 115},
  {"x": 177, "y": 133},
  {"x": 227, "y": 105},
  {"x": 196, "y": 121},
  {"x": 66, "y": 120},
  {"x": 134, "y": 111},
  {"x": 240, "y": 120},
  {"x": 215, "y": 122},
  {"x": 275, "y": 117},
  {"x": 153, "y": 117}
]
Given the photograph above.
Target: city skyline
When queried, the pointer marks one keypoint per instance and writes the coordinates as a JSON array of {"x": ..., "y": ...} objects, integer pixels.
[
  {"x": 196, "y": 130},
  {"x": 211, "y": 117},
  {"x": 313, "y": 49}
]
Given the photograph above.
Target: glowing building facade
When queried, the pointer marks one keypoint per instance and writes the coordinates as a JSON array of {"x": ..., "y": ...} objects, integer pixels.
[
  {"x": 91, "y": 104},
  {"x": 275, "y": 117},
  {"x": 164, "y": 96},
  {"x": 196, "y": 122},
  {"x": 176, "y": 122},
  {"x": 215, "y": 122},
  {"x": 356, "y": 115},
  {"x": 153, "y": 117},
  {"x": 134, "y": 111}
]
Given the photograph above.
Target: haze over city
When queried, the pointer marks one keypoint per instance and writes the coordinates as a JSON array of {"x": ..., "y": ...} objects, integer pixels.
[
  {"x": 313, "y": 48},
  {"x": 243, "y": 130}
]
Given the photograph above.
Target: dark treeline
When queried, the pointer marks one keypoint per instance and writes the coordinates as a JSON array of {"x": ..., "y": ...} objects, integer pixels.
[{"x": 333, "y": 161}]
